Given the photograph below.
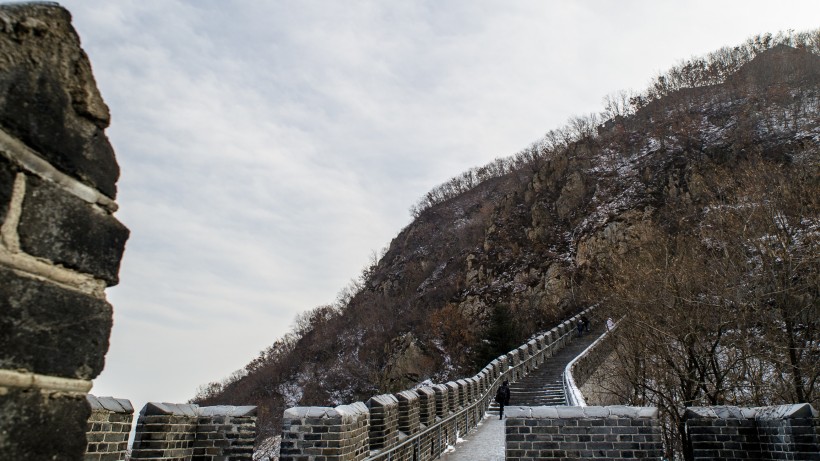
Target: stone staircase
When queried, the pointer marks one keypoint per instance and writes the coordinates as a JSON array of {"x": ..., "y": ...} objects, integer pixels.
[{"x": 543, "y": 386}]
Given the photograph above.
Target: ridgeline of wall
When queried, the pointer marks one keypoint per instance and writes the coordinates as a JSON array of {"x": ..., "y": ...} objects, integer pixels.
[
  {"x": 416, "y": 424},
  {"x": 60, "y": 245}
]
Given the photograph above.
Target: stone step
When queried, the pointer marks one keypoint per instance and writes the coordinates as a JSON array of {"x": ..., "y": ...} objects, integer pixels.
[{"x": 544, "y": 385}]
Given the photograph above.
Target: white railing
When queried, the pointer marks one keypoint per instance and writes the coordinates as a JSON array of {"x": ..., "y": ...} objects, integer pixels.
[
  {"x": 571, "y": 388},
  {"x": 481, "y": 404}
]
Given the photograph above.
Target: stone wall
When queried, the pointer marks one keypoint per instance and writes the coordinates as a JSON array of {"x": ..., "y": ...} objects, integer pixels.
[
  {"x": 732, "y": 433},
  {"x": 414, "y": 425},
  {"x": 225, "y": 433},
  {"x": 60, "y": 245},
  {"x": 108, "y": 428},
  {"x": 384, "y": 421},
  {"x": 613, "y": 433},
  {"x": 187, "y": 432},
  {"x": 328, "y": 434}
]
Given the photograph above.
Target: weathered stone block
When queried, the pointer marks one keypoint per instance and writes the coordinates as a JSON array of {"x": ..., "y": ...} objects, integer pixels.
[
  {"x": 50, "y": 330},
  {"x": 453, "y": 396},
  {"x": 578, "y": 433},
  {"x": 48, "y": 97},
  {"x": 409, "y": 412},
  {"x": 62, "y": 228},
  {"x": 7, "y": 174},
  {"x": 37, "y": 425},
  {"x": 384, "y": 420},
  {"x": 442, "y": 400},
  {"x": 427, "y": 405}
]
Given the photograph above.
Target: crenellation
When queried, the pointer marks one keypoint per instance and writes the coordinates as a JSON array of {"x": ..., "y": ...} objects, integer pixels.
[
  {"x": 384, "y": 420},
  {"x": 776, "y": 432},
  {"x": 108, "y": 428},
  {"x": 513, "y": 359},
  {"x": 427, "y": 405},
  {"x": 350, "y": 422},
  {"x": 189, "y": 432},
  {"x": 577, "y": 433},
  {"x": 409, "y": 412},
  {"x": 453, "y": 398}
]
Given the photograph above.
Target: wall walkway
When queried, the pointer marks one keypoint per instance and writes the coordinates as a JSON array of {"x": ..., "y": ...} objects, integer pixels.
[{"x": 432, "y": 418}]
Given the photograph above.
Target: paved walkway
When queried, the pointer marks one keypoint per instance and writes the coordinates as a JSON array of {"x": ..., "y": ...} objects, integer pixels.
[
  {"x": 484, "y": 443},
  {"x": 541, "y": 387}
]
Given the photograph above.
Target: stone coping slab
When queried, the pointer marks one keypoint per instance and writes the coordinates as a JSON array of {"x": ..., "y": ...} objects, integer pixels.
[
  {"x": 565, "y": 412},
  {"x": 353, "y": 409},
  {"x": 228, "y": 410},
  {"x": 777, "y": 412},
  {"x": 383, "y": 400},
  {"x": 408, "y": 396},
  {"x": 110, "y": 404},
  {"x": 426, "y": 390},
  {"x": 194, "y": 410}
]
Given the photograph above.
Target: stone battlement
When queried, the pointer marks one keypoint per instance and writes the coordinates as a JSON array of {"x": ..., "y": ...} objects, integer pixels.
[{"x": 415, "y": 424}]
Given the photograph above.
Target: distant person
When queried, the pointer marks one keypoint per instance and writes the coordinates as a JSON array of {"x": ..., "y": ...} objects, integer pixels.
[
  {"x": 585, "y": 320},
  {"x": 610, "y": 324},
  {"x": 502, "y": 397},
  {"x": 580, "y": 327}
]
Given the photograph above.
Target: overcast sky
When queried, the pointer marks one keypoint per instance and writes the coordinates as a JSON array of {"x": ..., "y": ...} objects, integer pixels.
[{"x": 268, "y": 148}]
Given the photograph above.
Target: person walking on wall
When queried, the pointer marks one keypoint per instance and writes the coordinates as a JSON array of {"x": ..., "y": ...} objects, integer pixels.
[
  {"x": 585, "y": 320},
  {"x": 610, "y": 324},
  {"x": 502, "y": 397}
]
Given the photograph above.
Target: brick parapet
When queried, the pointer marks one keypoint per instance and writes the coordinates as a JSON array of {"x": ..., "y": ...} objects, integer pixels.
[
  {"x": 108, "y": 428},
  {"x": 427, "y": 405},
  {"x": 384, "y": 421},
  {"x": 453, "y": 397},
  {"x": 513, "y": 359},
  {"x": 164, "y": 436},
  {"x": 566, "y": 433},
  {"x": 188, "y": 432},
  {"x": 224, "y": 437},
  {"x": 549, "y": 346},
  {"x": 325, "y": 434},
  {"x": 442, "y": 400},
  {"x": 733, "y": 433},
  {"x": 465, "y": 392},
  {"x": 444, "y": 411},
  {"x": 409, "y": 412},
  {"x": 535, "y": 352}
]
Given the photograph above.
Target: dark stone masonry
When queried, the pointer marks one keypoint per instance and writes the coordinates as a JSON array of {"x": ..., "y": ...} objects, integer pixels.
[
  {"x": 788, "y": 432},
  {"x": 108, "y": 428},
  {"x": 614, "y": 433},
  {"x": 60, "y": 245},
  {"x": 188, "y": 432},
  {"x": 63, "y": 229},
  {"x": 314, "y": 433}
]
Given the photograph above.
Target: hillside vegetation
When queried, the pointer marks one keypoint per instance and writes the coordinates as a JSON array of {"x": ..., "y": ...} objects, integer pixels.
[{"x": 691, "y": 208}]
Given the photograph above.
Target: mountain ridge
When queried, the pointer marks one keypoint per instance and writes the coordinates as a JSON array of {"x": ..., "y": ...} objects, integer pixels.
[{"x": 541, "y": 240}]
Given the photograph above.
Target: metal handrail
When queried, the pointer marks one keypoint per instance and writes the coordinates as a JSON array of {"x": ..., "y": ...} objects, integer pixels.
[{"x": 387, "y": 455}]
